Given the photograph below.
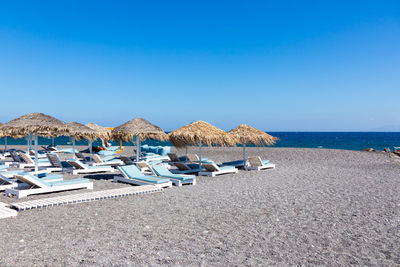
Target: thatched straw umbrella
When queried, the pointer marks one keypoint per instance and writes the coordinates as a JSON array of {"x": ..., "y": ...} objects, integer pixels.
[
  {"x": 38, "y": 124},
  {"x": 102, "y": 132},
  {"x": 78, "y": 131},
  {"x": 249, "y": 135},
  {"x": 200, "y": 133},
  {"x": 139, "y": 128}
]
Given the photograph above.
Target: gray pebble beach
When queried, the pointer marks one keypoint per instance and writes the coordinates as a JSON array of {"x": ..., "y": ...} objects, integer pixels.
[{"x": 318, "y": 207}]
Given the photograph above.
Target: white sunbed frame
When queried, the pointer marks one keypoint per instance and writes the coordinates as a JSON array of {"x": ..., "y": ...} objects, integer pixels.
[
  {"x": 98, "y": 161},
  {"x": 80, "y": 168},
  {"x": 6, "y": 183},
  {"x": 42, "y": 188},
  {"x": 212, "y": 170},
  {"x": 255, "y": 163},
  {"x": 126, "y": 179}
]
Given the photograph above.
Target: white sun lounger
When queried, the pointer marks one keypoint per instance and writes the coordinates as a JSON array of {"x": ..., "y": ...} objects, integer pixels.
[
  {"x": 6, "y": 183},
  {"x": 52, "y": 149},
  {"x": 127, "y": 160},
  {"x": 80, "y": 167},
  {"x": 174, "y": 158},
  {"x": 213, "y": 169},
  {"x": 144, "y": 167},
  {"x": 38, "y": 186},
  {"x": 99, "y": 161},
  {"x": 184, "y": 168},
  {"x": 82, "y": 157},
  {"x": 176, "y": 179},
  {"x": 30, "y": 163},
  {"x": 255, "y": 163},
  {"x": 195, "y": 158},
  {"x": 15, "y": 158},
  {"x": 40, "y": 155},
  {"x": 60, "y": 150},
  {"x": 132, "y": 175},
  {"x": 56, "y": 164},
  {"x": 235, "y": 163}
]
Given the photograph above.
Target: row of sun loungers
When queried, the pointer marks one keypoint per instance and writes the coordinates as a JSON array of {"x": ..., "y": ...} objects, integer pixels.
[
  {"x": 146, "y": 172},
  {"x": 36, "y": 185}
]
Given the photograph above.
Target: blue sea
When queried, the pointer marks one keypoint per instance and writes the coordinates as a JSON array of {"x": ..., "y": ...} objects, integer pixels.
[{"x": 334, "y": 140}]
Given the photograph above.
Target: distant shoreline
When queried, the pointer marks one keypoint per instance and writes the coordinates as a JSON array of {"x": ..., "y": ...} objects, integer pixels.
[{"x": 355, "y": 141}]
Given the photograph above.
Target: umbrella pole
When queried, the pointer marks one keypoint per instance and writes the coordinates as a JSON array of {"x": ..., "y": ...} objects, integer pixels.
[
  {"x": 73, "y": 147},
  {"x": 200, "y": 153},
  {"x": 5, "y": 143},
  {"x": 140, "y": 147},
  {"x": 90, "y": 149},
  {"x": 186, "y": 150},
  {"x": 137, "y": 148},
  {"x": 52, "y": 141},
  {"x": 30, "y": 141},
  {"x": 36, "y": 153},
  {"x": 244, "y": 155}
]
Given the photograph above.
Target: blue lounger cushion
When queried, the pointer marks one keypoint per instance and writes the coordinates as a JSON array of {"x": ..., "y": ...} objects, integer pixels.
[
  {"x": 106, "y": 153},
  {"x": 108, "y": 158},
  {"x": 164, "y": 150},
  {"x": 3, "y": 167},
  {"x": 164, "y": 172},
  {"x": 155, "y": 162},
  {"x": 13, "y": 172},
  {"x": 265, "y": 162},
  {"x": 185, "y": 158},
  {"x": 235, "y": 162},
  {"x": 58, "y": 183},
  {"x": 193, "y": 166},
  {"x": 134, "y": 173},
  {"x": 69, "y": 150},
  {"x": 49, "y": 176},
  {"x": 144, "y": 148},
  {"x": 67, "y": 182},
  {"x": 149, "y": 154},
  {"x": 227, "y": 167}
]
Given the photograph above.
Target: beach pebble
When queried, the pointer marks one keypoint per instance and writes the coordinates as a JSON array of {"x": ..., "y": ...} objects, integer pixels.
[{"x": 318, "y": 207}]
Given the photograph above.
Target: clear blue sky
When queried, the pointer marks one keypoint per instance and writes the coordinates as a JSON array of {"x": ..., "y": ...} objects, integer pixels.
[{"x": 276, "y": 65}]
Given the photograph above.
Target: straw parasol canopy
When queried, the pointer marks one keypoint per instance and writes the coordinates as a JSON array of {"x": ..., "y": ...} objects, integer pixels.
[
  {"x": 200, "y": 133},
  {"x": 80, "y": 131},
  {"x": 38, "y": 123},
  {"x": 140, "y": 128},
  {"x": 249, "y": 135},
  {"x": 245, "y": 134},
  {"x": 102, "y": 132},
  {"x": 35, "y": 123}
]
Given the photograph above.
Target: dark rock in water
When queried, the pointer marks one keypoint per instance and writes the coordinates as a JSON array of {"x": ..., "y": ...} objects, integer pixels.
[{"x": 369, "y": 150}]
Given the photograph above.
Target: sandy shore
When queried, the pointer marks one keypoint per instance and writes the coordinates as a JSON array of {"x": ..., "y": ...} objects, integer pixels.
[{"x": 318, "y": 207}]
